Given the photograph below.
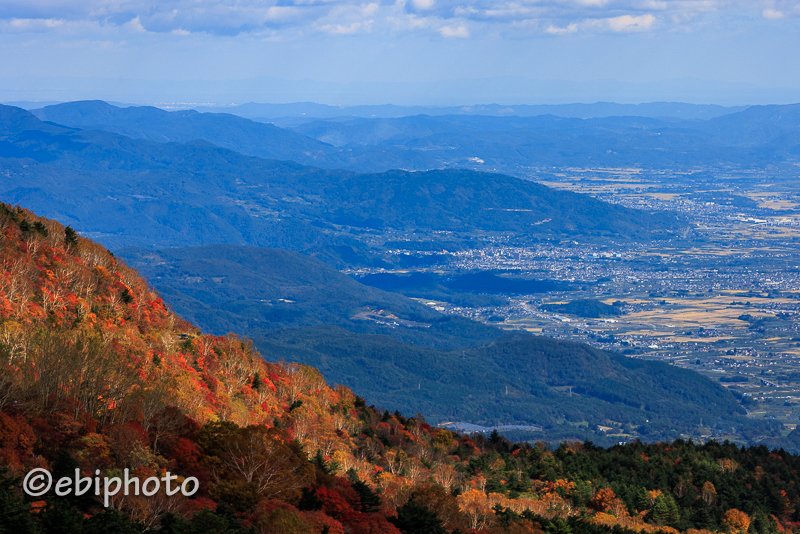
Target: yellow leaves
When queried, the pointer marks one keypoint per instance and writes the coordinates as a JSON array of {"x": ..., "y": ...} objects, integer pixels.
[
  {"x": 727, "y": 465},
  {"x": 345, "y": 459},
  {"x": 446, "y": 476},
  {"x": 13, "y": 335},
  {"x": 605, "y": 519},
  {"x": 93, "y": 451},
  {"x": 443, "y": 439},
  {"x": 736, "y": 521},
  {"x": 709, "y": 493},
  {"x": 476, "y": 506},
  {"x": 635, "y": 524},
  {"x": 563, "y": 484}
]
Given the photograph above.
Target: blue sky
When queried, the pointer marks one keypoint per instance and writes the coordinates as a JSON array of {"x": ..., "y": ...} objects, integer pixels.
[{"x": 403, "y": 51}]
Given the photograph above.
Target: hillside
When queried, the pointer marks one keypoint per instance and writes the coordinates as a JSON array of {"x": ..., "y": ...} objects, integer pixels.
[
  {"x": 228, "y": 288},
  {"x": 227, "y": 131},
  {"x": 523, "y": 141},
  {"x": 99, "y": 376},
  {"x": 403, "y": 355},
  {"x": 524, "y": 145},
  {"x": 758, "y": 125},
  {"x": 585, "y": 308},
  {"x": 135, "y": 192},
  {"x": 570, "y": 389}
]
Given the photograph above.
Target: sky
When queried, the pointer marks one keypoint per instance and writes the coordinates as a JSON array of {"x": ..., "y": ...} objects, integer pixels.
[{"x": 429, "y": 52}]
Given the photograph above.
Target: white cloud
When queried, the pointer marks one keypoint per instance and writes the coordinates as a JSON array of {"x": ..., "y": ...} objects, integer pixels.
[
  {"x": 454, "y": 31},
  {"x": 448, "y": 18},
  {"x": 348, "y": 19},
  {"x": 627, "y": 23},
  {"x": 134, "y": 25},
  {"x": 620, "y": 24},
  {"x": 30, "y": 25},
  {"x": 423, "y": 5}
]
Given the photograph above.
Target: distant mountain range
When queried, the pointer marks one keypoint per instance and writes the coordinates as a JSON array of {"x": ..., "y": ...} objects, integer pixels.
[
  {"x": 529, "y": 146},
  {"x": 224, "y": 130},
  {"x": 310, "y": 110},
  {"x": 520, "y": 141},
  {"x": 136, "y": 192}
]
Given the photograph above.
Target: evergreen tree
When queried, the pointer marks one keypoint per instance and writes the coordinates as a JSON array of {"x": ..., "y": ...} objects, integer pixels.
[
  {"x": 319, "y": 461},
  {"x": 111, "y": 521},
  {"x": 62, "y": 517},
  {"x": 64, "y": 465},
  {"x": 370, "y": 501},
  {"x": 70, "y": 237},
  {"x": 127, "y": 298},
  {"x": 309, "y": 501},
  {"x": 665, "y": 510},
  {"x": 702, "y": 517},
  {"x": 642, "y": 499},
  {"x": 224, "y": 521},
  {"x": 15, "y": 516},
  {"x": 40, "y": 228},
  {"x": 413, "y": 518},
  {"x": 558, "y": 526}
]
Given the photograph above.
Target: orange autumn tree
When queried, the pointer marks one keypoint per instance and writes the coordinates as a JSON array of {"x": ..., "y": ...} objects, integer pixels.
[
  {"x": 476, "y": 505},
  {"x": 66, "y": 304},
  {"x": 735, "y": 520},
  {"x": 93, "y": 361}
]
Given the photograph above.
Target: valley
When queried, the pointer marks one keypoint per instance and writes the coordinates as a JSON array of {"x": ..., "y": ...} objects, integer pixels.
[
  {"x": 663, "y": 242},
  {"x": 723, "y": 302},
  {"x": 413, "y": 267}
]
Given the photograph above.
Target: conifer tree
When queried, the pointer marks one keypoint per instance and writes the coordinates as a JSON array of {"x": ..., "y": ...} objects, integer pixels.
[
  {"x": 70, "y": 237},
  {"x": 15, "y": 516},
  {"x": 413, "y": 518}
]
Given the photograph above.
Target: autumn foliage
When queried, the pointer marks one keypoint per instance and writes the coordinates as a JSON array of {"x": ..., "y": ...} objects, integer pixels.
[{"x": 97, "y": 373}]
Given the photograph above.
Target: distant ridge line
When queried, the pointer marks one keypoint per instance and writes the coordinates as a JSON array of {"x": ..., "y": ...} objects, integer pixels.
[{"x": 309, "y": 110}]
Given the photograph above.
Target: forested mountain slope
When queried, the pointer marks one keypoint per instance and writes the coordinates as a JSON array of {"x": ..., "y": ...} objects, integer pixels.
[
  {"x": 403, "y": 355},
  {"x": 99, "y": 376},
  {"x": 228, "y": 288},
  {"x": 570, "y": 389},
  {"x": 516, "y": 141},
  {"x": 227, "y": 131},
  {"x": 127, "y": 192}
]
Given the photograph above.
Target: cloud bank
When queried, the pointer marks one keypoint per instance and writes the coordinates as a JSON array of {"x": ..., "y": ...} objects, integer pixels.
[{"x": 447, "y": 19}]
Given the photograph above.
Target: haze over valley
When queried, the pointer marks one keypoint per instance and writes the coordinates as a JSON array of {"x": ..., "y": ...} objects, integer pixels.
[{"x": 662, "y": 237}]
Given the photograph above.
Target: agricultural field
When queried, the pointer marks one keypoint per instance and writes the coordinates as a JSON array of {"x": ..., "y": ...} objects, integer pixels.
[{"x": 723, "y": 301}]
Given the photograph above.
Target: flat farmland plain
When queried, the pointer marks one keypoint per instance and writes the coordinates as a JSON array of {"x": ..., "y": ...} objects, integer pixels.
[{"x": 722, "y": 299}]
